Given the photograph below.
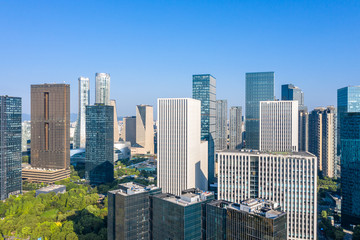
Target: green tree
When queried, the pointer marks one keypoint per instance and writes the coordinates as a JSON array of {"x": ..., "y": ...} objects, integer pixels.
[{"x": 324, "y": 214}]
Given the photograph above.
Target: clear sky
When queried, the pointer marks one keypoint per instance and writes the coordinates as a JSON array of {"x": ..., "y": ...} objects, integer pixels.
[{"x": 152, "y": 48}]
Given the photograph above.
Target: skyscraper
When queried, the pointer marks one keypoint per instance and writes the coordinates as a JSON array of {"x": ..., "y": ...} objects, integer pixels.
[
  {"x": 116, "y": 124},
  {"x": 303, "y": 130},
  {"x": 286, "y": 178},
  {"x": 102, "y": 88},
  {"x": 145, "y": 127},
  {"x": 259, "y": 87},
  {"x": 279, "y": 126},
  {"x": 293, "y": 93},
  {"x": 84, "y": 100},
  {"x": 10, "y": 146},
  {"x": 99, "y": 162},
  {"x": 204, "y": 89},
  {"x": 350, "y": 169},
  {"x": 182, "y": 157},
  {"x": 129, "y": 130},
  {"x": 235, "y": 128},
  {"x": 322, "y": 129},
  {"x": 221, "y": 125}
]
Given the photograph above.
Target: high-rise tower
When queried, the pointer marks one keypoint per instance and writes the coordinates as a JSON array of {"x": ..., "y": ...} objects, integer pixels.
[
  {"x": 102, "y": 88},
  {"x": 84, "y": 100},
  {"x": 145, "y": 127},
  {"x": 221, "y": 125},
  {"x": 235, "y": 128}
]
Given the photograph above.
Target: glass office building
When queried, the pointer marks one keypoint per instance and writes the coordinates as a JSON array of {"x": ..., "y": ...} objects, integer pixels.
[
  {"x": 350, "y": 169},
  {"x": 204, "y": 89},
  {"x": 293, "y": 93},
  {"x": 10, "y": 146},
  {"x": 259, "y": 87},
  {"x": 99, "y": 162}
]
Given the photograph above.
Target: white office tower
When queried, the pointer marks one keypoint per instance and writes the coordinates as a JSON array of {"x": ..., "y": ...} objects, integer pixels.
[
  {"x": 235, "y": 128},
  {"x": 116, "y": 123},
  {"x": 286, "y": 178},
  {"x": 145, "y": 127},
  {"x": 279, "y": 126},
  {"x": 221, "y": 125},
  {"x": 182, "y": 157},
  {"x": 102, "y": 88},
  {"x": 84, "y": 100}
]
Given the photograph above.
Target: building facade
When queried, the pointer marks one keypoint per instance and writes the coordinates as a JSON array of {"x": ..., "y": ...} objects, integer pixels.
[
  {"x": 102, "y": 88},
  {"x": 50, "y": 126},
  {"x": 84, "y": 100},
  {"x": 116, "y": 124},
  {"x": 259, "y": 87},
  {"x": 129, "y": 130},
  {"x": 279, "y": 126},
  {"x": 289, "y": 179},
  {"x": 221, "y": 125},
  {"x": 182, "y": 162},
  {"x": 292, "y": 93},
  {"x": 99, "y": 161},
  {"x": 350, "y": 169},
  {"x": 235, "y": 128},
  {"x": 129, "y": 212},
  {"x": 145, "y": 127},
  {"x": 303, "y": 130},
  {"x": 10, "y": 146},
  {"x": 204, "y": 89}
]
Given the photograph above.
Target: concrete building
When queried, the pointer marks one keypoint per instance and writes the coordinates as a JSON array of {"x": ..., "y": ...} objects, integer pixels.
[
  {"x": 116, "y": 124},
  {"x": 221, "y": 125},
  {"x": 52, "y": 188},
  {"x": 84, "y": 100},
  {"x": 102, "y": 88},
  {"x": 322, "y": 139},
  {"x": 204, "y": 89},
  {"x": 279, "y": 126},
  {"x": 290, "y": 179},
  {"x": 129, "y": 211},
  {"x": 182, "y": 162},
  {"x": 145, "y": 127},
  {"x": 235, "y": 128},
  {"x": 99, "y": 161},
  {"x": 259, "y": 87},
  {"x": 10, "y": 146},
  {"x": 25, "y": 136},
  {"x": 129, "y": 130},
  {"x": 122, "y": 151},
  {"x": 303, "y": 130}
]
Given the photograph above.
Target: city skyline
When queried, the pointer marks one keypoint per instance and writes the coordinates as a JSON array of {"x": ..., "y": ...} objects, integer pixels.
[{"x": 326, "y": 33}]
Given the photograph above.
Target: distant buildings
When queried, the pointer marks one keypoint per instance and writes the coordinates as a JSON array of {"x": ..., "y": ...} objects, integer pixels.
[
  {"x": 322, "y": 139},
  {"x": 286, "y": 178},
  {"x": 145, "y": 127},
  {"x": 99, "y": 163},
  {"x": 116, "y": 124},
  {"x": 221, "y": 125},
  {"x": 256, "y": 219},
  {"x": 292, "y": 93},
  {"x": 50, "y": 133},
  {"x": 259, "y": 87},
  {"x": 129, "y": 211},
  {"x": 102, "y": 88},
  {"x": 182, "y": 156},
  {"x": 10, "y": 146},
  {"x": 235, "y": 128},
  {"x": 204, "y": 89},
  {"x": 129, "y": 130},
  {"x": 84, "y": 100}
]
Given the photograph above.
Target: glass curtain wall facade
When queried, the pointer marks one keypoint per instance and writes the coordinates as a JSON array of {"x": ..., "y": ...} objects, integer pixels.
[
  {"x": 293, "y": 93},
  {"x": 102, "y": 88},
  {"x": 84, "y": 100},
  {"x": 259, "y": 87},
  {"x": 235, "y": 128},
  {"x": 10, "y": 146},
  {"x": 221, "y": 125},
  {"x": 99, "y": 163},
  {"x": 204, "y": 89}
]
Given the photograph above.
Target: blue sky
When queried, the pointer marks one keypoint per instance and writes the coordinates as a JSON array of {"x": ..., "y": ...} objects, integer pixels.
[{"x": 152, "y": 48}]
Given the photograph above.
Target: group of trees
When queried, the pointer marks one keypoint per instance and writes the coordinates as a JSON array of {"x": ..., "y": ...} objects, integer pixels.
[
  {"x": 75, "y": 214},
  {"x": 330, "y": 231}
]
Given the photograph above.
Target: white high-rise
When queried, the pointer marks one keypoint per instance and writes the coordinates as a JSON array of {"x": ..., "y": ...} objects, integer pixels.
[
  {"x": 102, "y": 88},
  {"x": 116, "y": 124},
  {"x": 182, "y": 156},
  {"x": 221, "y": 125},
  {"x": 279, "y": 126},
  {"x": 84, "y": 100},
  {"x": 288, "y": 179},
  {"x": 145, "y": 127},
  {"x": 235, "y": 128}
]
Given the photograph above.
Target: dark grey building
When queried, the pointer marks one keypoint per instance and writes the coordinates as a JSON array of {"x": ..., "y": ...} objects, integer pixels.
[
  {"x": 99, "y": 161},
  {"x": 303, "y": 130},
  {"x": 179, "y": 217},
  {"x": 235, "y": 128},
  {"x": 254, "y": 219},
  {"x": 259, "y": 87},
  {"x": 10, "y": 146},
  {"x": 129, "y": 211},
  {"x": 221, "y": 125},
  {"x": 204, "y": 89}
]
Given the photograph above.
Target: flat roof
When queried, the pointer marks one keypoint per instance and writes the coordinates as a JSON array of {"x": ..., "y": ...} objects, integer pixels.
[
  {"x": 51, "y": 188},
  {"x": 131, "y": 188},
  {"x": 257, "y": 152}
]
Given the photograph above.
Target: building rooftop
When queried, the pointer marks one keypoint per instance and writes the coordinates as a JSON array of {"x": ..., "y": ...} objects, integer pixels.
[
  {"x": 132, "y": 188},
  {"x": 51, "y": 188},
  {"x": 189, "y": 197},
  {"x": 257, "y": 152}
]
